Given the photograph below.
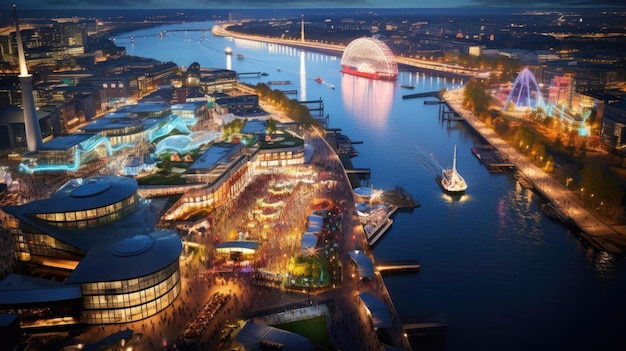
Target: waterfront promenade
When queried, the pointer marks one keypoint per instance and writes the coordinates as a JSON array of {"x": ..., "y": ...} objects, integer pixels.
[{"x": 600, "y": 234}]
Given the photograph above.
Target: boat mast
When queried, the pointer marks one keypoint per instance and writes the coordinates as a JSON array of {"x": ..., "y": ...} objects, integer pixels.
[{"x": 454, "y": 161}]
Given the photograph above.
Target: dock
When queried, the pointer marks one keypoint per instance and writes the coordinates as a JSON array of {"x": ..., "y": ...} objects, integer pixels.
[
  {"x": 377, "y": 233},
  {"x": 398, "y": 266},
  {"x": 437, "y": 94},
  {"x": 341, "y": 143},
  {"x": 400, "y": 198},
  {"x": 492, "y": 159},
  {"x": 426, "y": 332}
]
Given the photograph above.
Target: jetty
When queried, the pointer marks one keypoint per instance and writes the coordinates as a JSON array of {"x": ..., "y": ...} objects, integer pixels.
[
  {"x": 400, "y": 198},
  {"x": 341, "y": 143},
  {"x": 492, "y": 159},
  {"x": 398, "y": 266},
  {"x": 437, "y": 94}
]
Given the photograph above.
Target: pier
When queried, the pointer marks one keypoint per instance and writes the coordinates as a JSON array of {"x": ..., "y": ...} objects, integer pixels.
[
  {"x": 447, "y": 114},
  {"x": 436, "y": 94},
  {"x": 492, "y": 159},
  {"x": 427, "y": 332},
  {"x": 359, "y": 171},
  {"x": 398, "y": 266},
  {"x": 257, "y": 74},
  {"x": 319, "y": 103},
  {"x": 290, "y": 92}
]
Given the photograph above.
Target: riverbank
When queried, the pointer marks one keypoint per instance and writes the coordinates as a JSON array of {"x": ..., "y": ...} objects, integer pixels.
[{"x": 604, "y": 236}]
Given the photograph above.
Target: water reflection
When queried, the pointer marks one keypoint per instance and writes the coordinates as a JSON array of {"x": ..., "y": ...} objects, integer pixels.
[
  {"x": 369, "y": 100},
  {"x": 517, "y": 215},
  {"x": 603, "y": 263},
  {"x": 302, "y": 76}
]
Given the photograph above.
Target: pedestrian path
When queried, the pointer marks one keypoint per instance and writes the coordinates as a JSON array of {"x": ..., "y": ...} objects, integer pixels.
[{"x": 603, "y": 235}]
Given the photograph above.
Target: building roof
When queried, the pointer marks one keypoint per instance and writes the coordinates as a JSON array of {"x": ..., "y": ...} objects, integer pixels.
[
  {"x": 240, "y": 244},
  {"x": 64, "y": 142},
  {"x": 254, "y": 126},
  {"x": 192, "y": 105},
  {"x": 146, "y": 107},
  {"x": 80, "y": 194},
  {"x": 214, "y": 155},
  {"x": 379, "y": 311},
  {"x": 135, "y": 255},
  {"x": 18, "y": 289},
  {"x": 251, "y": 335},
  {"x": 14, "y": 114},
  {"x": 364, "y": 265}
]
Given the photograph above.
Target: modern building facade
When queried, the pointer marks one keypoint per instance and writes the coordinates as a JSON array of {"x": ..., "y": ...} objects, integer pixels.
[{"x": 98, "y": 234}]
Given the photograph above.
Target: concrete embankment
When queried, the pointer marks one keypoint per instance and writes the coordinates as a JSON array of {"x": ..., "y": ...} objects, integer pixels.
[{"x": 599, "y": 233}]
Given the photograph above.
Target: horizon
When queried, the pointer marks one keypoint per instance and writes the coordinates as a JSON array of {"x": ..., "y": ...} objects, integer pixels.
[{"x": 309, "y": 4}]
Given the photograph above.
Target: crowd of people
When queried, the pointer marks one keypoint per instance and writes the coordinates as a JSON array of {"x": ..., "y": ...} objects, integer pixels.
[{"x": 194, "y": 330}]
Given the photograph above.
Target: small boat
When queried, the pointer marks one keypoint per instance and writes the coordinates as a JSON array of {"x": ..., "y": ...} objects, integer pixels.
[
  {"x": 406, "y": 86},
  {"x": 279, "y": 82},
  {"x": 228, "y": 51},
  {"x": 240, "y": 56},
  {"x": 318, "y": 79},
  {"x": 451, "y": 180},
  {"x": 265, "y": 74}
]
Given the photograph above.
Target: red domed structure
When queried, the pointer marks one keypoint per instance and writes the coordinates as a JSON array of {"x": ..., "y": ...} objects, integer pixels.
[{"x": 370, "y": 58}]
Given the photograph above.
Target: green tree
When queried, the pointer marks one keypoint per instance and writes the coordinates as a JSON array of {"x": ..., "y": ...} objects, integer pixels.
[{"x": 475, "y": 96}]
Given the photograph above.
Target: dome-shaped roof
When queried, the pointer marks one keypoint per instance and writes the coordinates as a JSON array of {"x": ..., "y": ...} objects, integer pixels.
[
  {"x": 85, "y": 194},
  {"x": 130, "y": 257}
]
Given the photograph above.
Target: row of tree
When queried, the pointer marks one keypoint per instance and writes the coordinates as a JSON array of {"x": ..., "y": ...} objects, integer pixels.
[{"x": 601, "y": 189}]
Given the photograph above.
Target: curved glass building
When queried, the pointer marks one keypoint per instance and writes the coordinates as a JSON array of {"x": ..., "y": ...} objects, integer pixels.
[{"x": 97, "y": 233}]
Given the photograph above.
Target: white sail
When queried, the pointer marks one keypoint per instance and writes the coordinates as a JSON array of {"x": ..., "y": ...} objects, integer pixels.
[{"x": 451, "y": 180}]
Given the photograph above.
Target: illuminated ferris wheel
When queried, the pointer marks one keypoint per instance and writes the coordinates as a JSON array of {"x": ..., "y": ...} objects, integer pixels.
[{"x": 369, "y": 57}]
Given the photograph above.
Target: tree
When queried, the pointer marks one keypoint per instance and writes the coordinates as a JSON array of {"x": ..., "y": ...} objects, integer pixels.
[
  {"x": 475, "y": 96},
  {"x": 271, "y": 126}
]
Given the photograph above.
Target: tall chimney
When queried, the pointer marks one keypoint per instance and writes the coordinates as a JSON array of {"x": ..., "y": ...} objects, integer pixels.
[{"x": 31, "y": 122}]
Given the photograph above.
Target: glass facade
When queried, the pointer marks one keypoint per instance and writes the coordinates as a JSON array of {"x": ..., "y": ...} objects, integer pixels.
[
  {"x": 93, "y": 217},
  {"x": 131, "y": 300},
  {"x": 31, "y": 245}
]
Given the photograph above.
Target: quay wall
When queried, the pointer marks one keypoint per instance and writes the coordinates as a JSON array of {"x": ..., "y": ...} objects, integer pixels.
[{"x": 608, "y": 237}]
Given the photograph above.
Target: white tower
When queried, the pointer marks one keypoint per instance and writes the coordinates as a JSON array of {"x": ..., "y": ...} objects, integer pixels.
[
  {"x": 31, "y": 123},
  {"x": 302, "y": 31}
]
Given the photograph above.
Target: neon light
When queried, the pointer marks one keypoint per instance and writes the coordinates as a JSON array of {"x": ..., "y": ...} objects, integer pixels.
[
  {"x": 83, "y": 147},
  {"x": 165, "y": 127},
  {"x": 525, "y": 92}
]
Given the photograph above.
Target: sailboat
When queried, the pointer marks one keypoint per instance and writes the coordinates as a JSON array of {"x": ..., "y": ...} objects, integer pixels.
[{"x": 451, "y": 180}]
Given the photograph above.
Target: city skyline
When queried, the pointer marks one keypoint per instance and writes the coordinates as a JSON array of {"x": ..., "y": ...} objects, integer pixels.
[{"x": 251, "y": 4}]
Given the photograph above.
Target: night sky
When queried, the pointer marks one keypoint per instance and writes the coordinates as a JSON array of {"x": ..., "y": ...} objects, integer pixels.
[{"x": 242, "y": 4}]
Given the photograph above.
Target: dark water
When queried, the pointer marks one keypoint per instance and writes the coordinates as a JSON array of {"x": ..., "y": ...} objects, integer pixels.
[{"x": 504, "y": 276}]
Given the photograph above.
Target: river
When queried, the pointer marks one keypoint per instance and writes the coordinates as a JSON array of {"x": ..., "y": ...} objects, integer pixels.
[{"x": 504, "y": 276}]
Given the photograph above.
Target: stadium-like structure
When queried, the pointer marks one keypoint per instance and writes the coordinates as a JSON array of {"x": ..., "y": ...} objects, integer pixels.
[{"x": 370, "y": 58}]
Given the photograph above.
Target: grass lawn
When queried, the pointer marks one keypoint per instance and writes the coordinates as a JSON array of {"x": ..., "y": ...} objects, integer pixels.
[{"x": 314, "y": 329}]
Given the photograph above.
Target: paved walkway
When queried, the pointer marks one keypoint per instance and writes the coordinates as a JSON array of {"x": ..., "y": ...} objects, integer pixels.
[{"x": 601, "y": 234}]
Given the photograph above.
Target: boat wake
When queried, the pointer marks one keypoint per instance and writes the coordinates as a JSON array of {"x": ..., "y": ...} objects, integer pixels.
[{"x": 427, "y": 160}]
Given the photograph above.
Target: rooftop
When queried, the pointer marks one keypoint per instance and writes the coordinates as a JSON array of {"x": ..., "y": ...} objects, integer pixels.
[
  {"x": 132, "y": 256},
  {"x": 65, "y": 142}
]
